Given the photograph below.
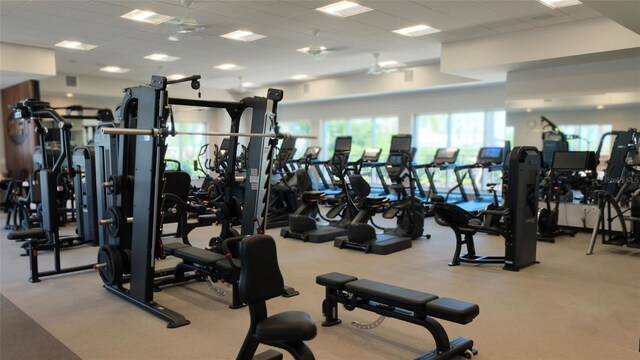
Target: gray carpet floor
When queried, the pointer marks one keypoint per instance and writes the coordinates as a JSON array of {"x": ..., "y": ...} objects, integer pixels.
[
  {"x": 570, "y": 306},
  {"x": 23, "y": 338}
]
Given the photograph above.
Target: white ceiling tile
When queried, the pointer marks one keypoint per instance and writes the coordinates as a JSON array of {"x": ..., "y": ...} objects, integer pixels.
[
  {"x": 48, "y": 7},
  {"x": 113, "y": 8},
  {"x": 515, "y": 8},
  {"x": 580, "y": 12},
  {"x": 380, "y": 20},
  {"x": 473, "y": 32},
  {"x": 551, "y": 17},
  {"x": 508, "y": 25},
  {"x": 470, "y": 11},
  {"x": 418, "y": 13}
]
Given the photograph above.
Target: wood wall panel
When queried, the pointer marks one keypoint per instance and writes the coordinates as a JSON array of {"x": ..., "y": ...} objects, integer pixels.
[{"x": 18, "y": 155}]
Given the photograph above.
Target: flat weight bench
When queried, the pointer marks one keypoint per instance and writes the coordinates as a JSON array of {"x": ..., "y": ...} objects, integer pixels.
[
  {"x": 413, "y": 306},
  {"x": 203, "y": 262}
]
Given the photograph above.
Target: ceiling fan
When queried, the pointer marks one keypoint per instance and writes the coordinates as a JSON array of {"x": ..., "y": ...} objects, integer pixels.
[
  {"x": 185, "y": 25},
  {"x": 316, "y": 50},
  {"x": 243, "y": 87},
  {"x": 377, "y": 69}
]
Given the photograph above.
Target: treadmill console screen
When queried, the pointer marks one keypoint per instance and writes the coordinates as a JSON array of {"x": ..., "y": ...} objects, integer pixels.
[
  {"x": 343, "y": 143},
  {"x": 446, "y": 155},
  {"x": 371, "y": 154},
  {"x": 574, "y": 161},
  {"x": 288, "y": 144},
  {"x": 312, "y": 153},
  {"x": 400, "y": 143},
  {"x": 490, "y": 155}
]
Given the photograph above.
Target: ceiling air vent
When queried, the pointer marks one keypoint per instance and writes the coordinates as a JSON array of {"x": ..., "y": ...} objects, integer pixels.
[
  {"x": 71, "y": 80},
  {"x": 408, "y": 75}
]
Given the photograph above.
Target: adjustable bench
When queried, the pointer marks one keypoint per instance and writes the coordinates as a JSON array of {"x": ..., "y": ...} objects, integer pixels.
[
  {"x": 203, "y": 263},
  {"x": 413, "y": 306}
]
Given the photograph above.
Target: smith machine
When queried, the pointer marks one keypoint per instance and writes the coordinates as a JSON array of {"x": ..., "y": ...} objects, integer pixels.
[{"x": 131, "y": 166}]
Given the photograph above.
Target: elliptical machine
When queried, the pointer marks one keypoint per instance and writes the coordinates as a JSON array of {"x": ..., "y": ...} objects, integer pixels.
[
  {"x": 565, "y": 164},
  {"x": 408, "y": 210},
  {"x": 302, "y": 223}
]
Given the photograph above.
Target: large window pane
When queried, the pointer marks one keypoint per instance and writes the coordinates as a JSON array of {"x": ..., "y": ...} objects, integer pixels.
[
  {"x": 185, "y": 148},
  {"x": 301, "y": 127}
]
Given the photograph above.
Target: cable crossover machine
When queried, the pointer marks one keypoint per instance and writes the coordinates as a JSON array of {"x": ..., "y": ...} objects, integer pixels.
[{"x": 131, "y": 166}]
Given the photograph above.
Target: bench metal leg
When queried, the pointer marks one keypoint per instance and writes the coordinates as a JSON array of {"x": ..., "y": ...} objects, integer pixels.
[
  {"x": 33, "y": 261},
  {"x": 330, "y": 308}
]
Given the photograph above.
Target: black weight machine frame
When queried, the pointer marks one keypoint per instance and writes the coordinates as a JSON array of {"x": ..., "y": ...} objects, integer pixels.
[
  {"x": 37, "y": 110},
  {"x": 133, "y": 185}
]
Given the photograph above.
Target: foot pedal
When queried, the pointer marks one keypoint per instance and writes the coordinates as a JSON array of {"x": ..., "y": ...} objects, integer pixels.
[
  {"x": 288, "y": 291},
  {"x": 268, "y": 355}
]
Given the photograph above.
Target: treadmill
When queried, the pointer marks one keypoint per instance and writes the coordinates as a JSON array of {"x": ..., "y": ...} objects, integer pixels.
[
  {"x": 444, "y": 160},
  {"x": 489, "y": 159}
]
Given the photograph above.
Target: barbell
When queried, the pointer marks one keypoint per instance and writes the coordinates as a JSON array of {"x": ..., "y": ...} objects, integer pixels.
[{"x": 166, "y": 132}]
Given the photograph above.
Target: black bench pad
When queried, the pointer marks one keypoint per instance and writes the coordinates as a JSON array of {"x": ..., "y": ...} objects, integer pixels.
[
  {"x": 391, "y": 295},
  {"x": 457, "y": 311},
  {"x": 207, "y": 218},
  {"x": 198, "y": 256},
  {"x": 36, "y": 233},
  {"x": 334, "y": 280},
  {"x": 170, "y": 248}
]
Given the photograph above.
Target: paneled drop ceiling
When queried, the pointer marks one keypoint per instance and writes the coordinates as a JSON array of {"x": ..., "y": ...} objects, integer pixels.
[{"x": 287, "y": 25}]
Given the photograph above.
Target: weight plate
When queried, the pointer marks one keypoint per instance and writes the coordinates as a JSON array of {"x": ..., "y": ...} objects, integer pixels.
[{"x": 111, "y": 273}]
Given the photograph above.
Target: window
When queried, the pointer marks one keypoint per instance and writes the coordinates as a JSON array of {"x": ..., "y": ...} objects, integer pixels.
[
  {"x": 467, "y": 131},
  {"x": 301, "y": 127},
  {"x": 365, "y": 132},
  {"x": 185, "y": 148}
]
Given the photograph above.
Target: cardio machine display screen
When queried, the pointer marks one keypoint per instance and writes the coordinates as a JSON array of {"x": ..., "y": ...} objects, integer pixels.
[
  {"x": 288, "y": 144},
  {"x": 401, "y": 143},
  {"x": 312, "y": 153},
  {"x": 446, "y": 155},
  {"x": 343, "y": 143},
  {"x": 573, "y": 160},
  {"x": 493, "y": 154}
]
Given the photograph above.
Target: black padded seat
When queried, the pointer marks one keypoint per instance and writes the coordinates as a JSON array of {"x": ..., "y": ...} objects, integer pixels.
[
  {"x": 198, "y": 256},
  {"x": 334, "y": 280},
  {"x": 36, "y": 233},
  {"x": 391, "y": 295},
  {"x": 287, "y": 326},
  {"x": 376, "y": 200},
  {"x": 170, "y": 248},
  {"x": 313, "y": 195},
  {"x": 458, "y": 311}
]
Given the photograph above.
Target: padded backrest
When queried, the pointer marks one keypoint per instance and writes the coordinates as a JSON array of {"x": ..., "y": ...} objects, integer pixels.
[
  {"x": 260, "y": 277},
  {"x": 303, "y": 181},
  {"x": 360, "y": 186},
  {"x": 177, "y": 183},
  {"x": 451, "y": 214}
]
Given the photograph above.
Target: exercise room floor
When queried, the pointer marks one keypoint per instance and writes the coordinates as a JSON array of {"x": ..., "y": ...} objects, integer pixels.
[{"x": 570, "y": 306}]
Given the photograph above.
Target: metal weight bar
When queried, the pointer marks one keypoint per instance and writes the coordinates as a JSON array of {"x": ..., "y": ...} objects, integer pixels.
[{"x": 164, "y": 132}]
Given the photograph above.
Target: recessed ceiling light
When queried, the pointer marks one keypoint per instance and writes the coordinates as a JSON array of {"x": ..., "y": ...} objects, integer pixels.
[
  {"x": 69, "y": 95},
  {"x": 248, "y": 84},
  {"x": 175, "y": 76},
  {"x": 75, "y": 45},
  {"x": 114, "y": 69},
  {"x": 529, "y": 110},
  {"x": 146, "y": 16},
  {"x": 302, "y": 77},
  {"x": 560, "y": 3},
  {"x": 600, "y": 107},
  {"x": 344, "y": 9},
  {"x": 416, "y": 30},
  {"x": 162, "y": 57},
  {"x": 228, "y": 67},
  {"x": 243, "y": 35}
]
